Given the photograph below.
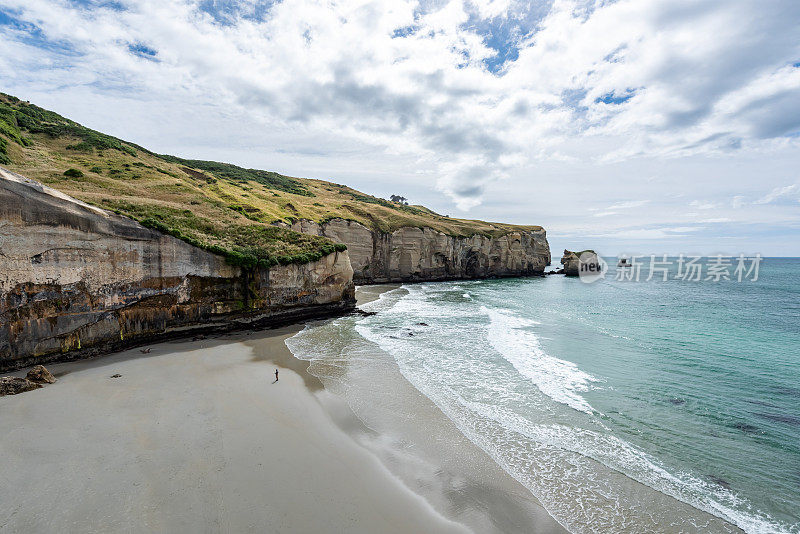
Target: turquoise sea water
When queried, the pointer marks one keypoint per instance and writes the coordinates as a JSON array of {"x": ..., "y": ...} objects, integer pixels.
[{"x": 622, "y": 406}]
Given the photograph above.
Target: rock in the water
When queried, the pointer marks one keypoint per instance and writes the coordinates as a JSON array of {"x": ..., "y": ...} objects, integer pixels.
[
  {"x": 575, "y": 262},
  {"x": 41, "y": 375},
  {"x": 11, "y": 385},
  {"x": 117, "y": 375}
]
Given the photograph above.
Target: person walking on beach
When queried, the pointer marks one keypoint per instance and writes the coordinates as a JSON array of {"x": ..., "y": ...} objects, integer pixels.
[{"x": 276, "y": 376}]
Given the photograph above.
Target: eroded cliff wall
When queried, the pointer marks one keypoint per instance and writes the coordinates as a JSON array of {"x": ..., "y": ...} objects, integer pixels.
[
  {"x": 420, "y": 254},
  {"x": 76, "y": 280}
]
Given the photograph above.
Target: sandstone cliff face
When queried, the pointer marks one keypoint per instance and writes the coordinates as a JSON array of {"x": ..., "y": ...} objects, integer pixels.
[
  {"x": 76, "y": 280},
  {"x": 419, "y": 254}
]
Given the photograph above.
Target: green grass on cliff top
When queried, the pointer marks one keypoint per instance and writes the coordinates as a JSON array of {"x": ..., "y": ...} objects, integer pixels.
[{"x": 218, "y": 206}]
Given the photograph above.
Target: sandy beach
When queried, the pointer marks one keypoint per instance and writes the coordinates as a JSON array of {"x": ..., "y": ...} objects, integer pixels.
[{"x": 197, "y": 436}]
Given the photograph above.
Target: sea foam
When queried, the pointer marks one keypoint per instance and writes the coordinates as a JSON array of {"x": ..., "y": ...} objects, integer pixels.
[
  {"x": 566, "y": 466},
  {"x": 560, "y": 380}
]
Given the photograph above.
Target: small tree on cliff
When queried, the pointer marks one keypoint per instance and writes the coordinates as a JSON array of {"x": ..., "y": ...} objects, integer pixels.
[{"x": 399, "y": 199}]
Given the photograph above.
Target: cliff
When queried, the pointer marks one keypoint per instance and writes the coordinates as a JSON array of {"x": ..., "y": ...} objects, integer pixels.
[
  {"x": 106, "y": 244},
  {"x": 244, "y": 214},
  {"x": 411, "y": 254},
  {"x": 77, "y": 280}
]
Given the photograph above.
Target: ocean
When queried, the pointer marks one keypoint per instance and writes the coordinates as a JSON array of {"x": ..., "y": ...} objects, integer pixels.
[{"x": 621, "y": 405}]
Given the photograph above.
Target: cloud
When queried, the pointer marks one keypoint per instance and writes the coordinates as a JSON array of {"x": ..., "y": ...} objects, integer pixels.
[
  {"x": 649, "y": 233},
  {"x": 717, "y": 220},
  {"x": 614, "y": 208},
  {"x": 628, "y": 204},
  {"x": 777, "y": 193},
  {"x": 701, "y": 205},
  {"x": 471, "y": 89}
]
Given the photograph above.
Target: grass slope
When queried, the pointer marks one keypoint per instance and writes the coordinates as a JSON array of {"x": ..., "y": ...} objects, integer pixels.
[{"x": 221, "y": 207}]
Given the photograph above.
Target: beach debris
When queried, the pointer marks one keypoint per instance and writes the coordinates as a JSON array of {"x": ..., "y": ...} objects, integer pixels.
[
  {"x": 41, "y": 375},
  {"x": 145, "y": 351},
  {"x": 116, "y": 375},
  {"x": 12, "y": 385}
]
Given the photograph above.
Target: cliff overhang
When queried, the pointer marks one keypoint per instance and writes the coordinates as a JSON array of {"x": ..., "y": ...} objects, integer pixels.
[{"x": 76, "y": 280}]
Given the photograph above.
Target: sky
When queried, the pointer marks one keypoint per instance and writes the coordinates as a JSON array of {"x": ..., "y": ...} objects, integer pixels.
[{"x": 629, "y": 127}]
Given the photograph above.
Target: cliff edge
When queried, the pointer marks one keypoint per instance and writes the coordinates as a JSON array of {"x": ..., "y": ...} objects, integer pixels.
[
  {"x": 76, "y": 280},
  {"x": 411, "y": 254}
]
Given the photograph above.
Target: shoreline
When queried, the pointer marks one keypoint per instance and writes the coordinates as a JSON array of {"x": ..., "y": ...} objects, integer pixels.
[
  {"x": 199, "y": 425},
  {"x": 195, "y": 436},
  {"x": 407, "y": 431}
]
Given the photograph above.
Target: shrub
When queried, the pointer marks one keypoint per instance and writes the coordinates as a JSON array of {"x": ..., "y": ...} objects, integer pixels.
[
  {"x": 234, "y": 173},
  {"x": 73, "y": 173},
  {"x": 96, "y": 170},
  {"x": 4, "y": 159}
]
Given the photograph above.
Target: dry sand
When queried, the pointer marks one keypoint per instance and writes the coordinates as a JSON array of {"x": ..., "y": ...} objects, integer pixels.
[{"x": 193, "y": 437}]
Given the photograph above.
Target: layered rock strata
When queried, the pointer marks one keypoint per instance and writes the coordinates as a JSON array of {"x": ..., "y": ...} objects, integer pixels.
[
  {"x": 76, "y": 280},
  {"x": 423, "y": 254}
]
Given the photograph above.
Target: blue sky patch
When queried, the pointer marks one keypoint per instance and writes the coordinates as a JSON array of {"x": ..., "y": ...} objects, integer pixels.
[
  {"x": 142, "y": 51},
  {"x": 32, "y": 35},
  {"x": 227, "y": 12},
  {"x": 507, "y": 34},
  {"x": 100, "y": 4},
  {"x": 404, "y": 32},
  {"x": 614, "y": 98}
]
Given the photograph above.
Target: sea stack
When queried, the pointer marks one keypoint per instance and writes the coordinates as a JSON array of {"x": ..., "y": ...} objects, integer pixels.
[{"x": 575, "y": 262}]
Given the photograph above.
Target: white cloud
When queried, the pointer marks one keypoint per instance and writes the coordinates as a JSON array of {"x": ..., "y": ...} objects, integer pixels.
[
  {"x": 650, "y": 233},
  {"x": 777, "y": 193},
  {"x": 669, "y": 77},
  {"x": 717, "y": 220},
  {"x": 701, "y": 205},
  {"x": 585, "y": 104},
  {"x": 628, "y": 204},
  {"x": 614, "y": 208}
]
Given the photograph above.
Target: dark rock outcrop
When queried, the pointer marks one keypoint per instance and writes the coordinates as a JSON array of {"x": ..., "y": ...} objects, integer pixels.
[
  {"x": 41, "y": 375},
  {"x": 76, "y": 280},
  {"x": 12, "y": 385}
]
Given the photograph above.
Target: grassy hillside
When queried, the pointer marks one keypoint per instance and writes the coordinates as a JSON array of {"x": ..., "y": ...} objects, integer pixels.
[{"x": 221, "y": 207}]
